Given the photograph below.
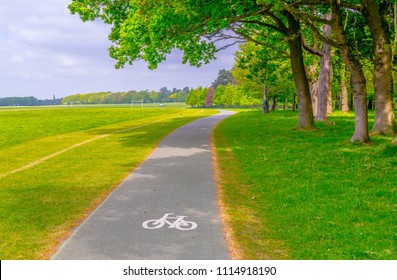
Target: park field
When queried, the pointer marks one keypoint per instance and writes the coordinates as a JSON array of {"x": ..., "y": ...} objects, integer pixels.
[
  {"x": 58, "y": 163},
  {"x": 291, "y": 194}
]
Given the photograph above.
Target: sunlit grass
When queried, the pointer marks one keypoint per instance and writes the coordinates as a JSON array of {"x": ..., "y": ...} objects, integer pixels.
[
  {"x": 307, "y": 194},
  {"x": 40, "y": 205}
]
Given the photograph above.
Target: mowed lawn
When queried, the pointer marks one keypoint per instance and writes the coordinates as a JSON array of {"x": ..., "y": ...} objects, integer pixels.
[
  {"x": 293, "y": 194},
  {"x": 57, "y": 164}
]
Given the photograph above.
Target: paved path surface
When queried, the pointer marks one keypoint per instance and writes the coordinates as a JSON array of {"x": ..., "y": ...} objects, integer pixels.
[{"x": 176, "y": 178}]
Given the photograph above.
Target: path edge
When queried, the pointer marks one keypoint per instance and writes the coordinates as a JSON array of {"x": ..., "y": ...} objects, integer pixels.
[{"x": 234, "y": 252}]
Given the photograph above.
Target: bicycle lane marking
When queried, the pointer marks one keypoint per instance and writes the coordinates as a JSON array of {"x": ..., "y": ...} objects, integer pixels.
[
  {"x": 179, "y": 223},
  {"x": 43, "y": 159}
]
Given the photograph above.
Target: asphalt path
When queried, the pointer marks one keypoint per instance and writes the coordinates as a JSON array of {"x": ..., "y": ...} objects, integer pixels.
[{"x": 166, "y": 209}]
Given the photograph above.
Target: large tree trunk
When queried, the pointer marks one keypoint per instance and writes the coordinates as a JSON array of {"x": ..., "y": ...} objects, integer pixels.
[
  {"x": 344, "y": 94},
  {"x": 306, "y": 119},
  {"x": 312, "y": 71},
  {"x": 383, "y": 80},
  {"x": 359, "y": 89},
  {"x": 325, "y": 76}
]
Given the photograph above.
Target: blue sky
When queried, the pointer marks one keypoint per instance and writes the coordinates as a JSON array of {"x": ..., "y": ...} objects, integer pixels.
[{"x": 45, "y": 51}]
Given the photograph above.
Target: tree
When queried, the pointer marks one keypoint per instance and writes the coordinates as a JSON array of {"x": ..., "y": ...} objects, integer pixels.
[
  {"x": 196, "y": 97},
  {"x": 263, "y": 72},
  {"x": 226, "y": 96},
  {"x": 224, "y": 78},
  {"x": 344, "y": 107},
  {"x": 19, "y": 101},
  {"x": 325, "y": 75},
  {"x": 359, "y": 88},
  {"x": 376, "y": 16},
  {"x": 210, "y": 95},
  {"x": 149, "y": 30},
  {"x": 340, "y": 41},
  {"x": 163, "y": 94}
]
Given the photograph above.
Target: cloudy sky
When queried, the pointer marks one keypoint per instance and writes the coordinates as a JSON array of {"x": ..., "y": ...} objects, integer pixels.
[{"x": 45, "y": 51}]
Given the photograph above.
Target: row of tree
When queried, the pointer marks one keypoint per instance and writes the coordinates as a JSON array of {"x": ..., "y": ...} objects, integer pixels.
[
  {"x": 224, "y": 92},
  {"x": 28, "y": 101},
  {"x": 164, "y": 95},
  {"x": 354, "y": 30}
]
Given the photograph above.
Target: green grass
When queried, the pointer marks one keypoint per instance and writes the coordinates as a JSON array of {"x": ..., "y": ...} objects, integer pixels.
[
  {"x": 41, "y": 204},
  {"x": 293, "y": 194}
]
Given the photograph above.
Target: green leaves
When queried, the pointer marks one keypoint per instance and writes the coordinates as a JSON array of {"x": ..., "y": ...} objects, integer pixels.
[{"x": 149, "y": 30}]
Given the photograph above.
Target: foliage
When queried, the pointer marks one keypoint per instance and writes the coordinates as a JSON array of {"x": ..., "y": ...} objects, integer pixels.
[
  {"x": 225, "y": 96},
  {"x": 224, "y": 77},
  {"x": 149, "y": 30},
  {"x": 164, "y": 95},
  {"x": 235, "y": 96},
  {"x": 197, "y": 97},
  {"x": 258, "y": 66},
  {"x": 27, "y": 101}
]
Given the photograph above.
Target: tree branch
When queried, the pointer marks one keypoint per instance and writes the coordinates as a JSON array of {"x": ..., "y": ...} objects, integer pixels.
[
  {"x": 252, "y": 39},
  {"x": 356, "y": 7},
  {"x": 298, "y": 14},
  {"x": 262, "y": 24},
  {"x": 306, "y": 19},
  {"x": 279, "y": 22},
  {"x": 310, "y": 48}
]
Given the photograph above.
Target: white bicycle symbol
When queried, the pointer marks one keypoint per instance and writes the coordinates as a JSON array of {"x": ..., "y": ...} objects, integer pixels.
[{"x": 176, "y": 222}]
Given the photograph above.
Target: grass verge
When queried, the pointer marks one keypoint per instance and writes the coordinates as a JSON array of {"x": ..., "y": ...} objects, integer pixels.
[{"x": 292, "y": 194}]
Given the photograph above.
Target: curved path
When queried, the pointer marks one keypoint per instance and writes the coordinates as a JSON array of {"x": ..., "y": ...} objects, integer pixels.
[{"x": 166, "y": 209}]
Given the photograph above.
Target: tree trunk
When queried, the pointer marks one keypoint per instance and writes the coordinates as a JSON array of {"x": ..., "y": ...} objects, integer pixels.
[
  {"x": 358, "y": 78},
  {"x": 306, "y": 119},
  {"x": 395, "y": 30},
  {"x": 344, "y": 96},
  {"x": 329, "y": 103},
  {"x": 313, "y": 85},
  {"x": 383, "y": 80},
  {"x": 314, "y": 95},
  {"x": 274, "y": 103},
  {"x": 265, "y": 101},
  {"x": 293, "y": 101},
  {"x": 329, "y": 95},
  {"x": 325, "y": 76},
  {"x": 351, "y": 93}
]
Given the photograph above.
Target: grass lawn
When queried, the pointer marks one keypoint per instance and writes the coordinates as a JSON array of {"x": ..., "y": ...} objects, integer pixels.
[
  {"x": 57, "y": 164},
  {"x": 291, "y": 194}
]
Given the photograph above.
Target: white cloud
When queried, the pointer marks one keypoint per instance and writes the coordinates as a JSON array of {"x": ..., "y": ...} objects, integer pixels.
[{"x": 44, "y": 51}]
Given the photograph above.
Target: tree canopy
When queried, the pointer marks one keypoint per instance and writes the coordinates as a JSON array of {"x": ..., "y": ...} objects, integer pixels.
[{"x": 150, "y": 30}]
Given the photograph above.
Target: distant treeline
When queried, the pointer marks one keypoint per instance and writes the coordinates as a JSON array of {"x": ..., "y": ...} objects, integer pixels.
[
  {"x": 28, "y": 101},
  {"x": 164, "y": 95},
  {"x": 224, "y": 96}
]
